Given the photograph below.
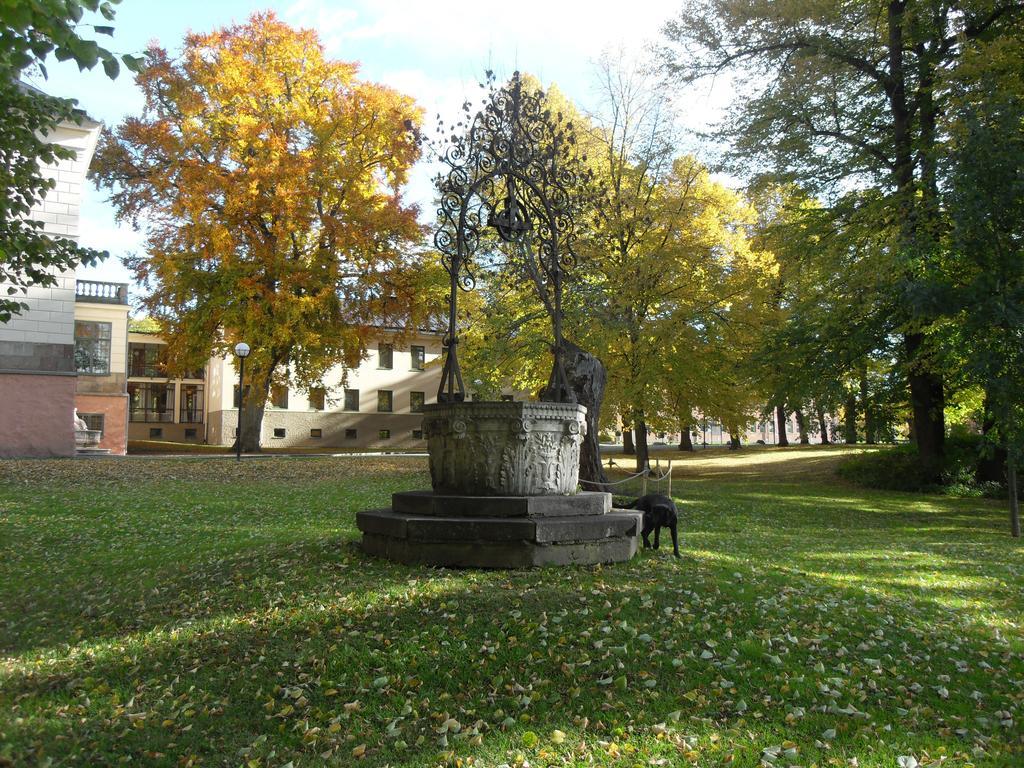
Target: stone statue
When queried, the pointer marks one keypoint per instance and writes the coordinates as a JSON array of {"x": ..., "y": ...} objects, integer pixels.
[{"x": 85, "y": 437}]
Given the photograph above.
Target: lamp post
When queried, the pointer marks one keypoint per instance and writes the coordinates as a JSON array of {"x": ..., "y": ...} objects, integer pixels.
[{"x": 242, "y": 351}]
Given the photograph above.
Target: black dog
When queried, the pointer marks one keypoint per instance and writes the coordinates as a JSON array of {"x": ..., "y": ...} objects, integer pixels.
[{"x": 659, "y": 511}]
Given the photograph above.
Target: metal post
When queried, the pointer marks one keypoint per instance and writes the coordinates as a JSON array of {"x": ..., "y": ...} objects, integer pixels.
[
  {"x": 241, "y": 398},
  {"x": 1011, "y": 487}
]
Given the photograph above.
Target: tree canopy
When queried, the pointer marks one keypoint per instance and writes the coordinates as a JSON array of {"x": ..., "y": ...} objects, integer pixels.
[
  {"x": 666, "y": 280},
  {"x": 847, "y": 100},
  {"x": 268, "y": 180}
]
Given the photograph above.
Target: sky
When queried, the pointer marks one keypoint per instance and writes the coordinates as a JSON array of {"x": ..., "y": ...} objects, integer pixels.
[{"x": 434, "y": 50}]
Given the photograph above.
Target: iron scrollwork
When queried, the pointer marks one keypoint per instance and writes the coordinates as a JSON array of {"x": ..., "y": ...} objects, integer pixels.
[{"x": 514, "y": 174}]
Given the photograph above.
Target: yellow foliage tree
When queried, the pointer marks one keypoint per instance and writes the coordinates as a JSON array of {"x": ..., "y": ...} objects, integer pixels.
[
  {"x": 268, "y": 180},
  {"x": 667, "y": 290},
  {"x": 671, "y": 260}
]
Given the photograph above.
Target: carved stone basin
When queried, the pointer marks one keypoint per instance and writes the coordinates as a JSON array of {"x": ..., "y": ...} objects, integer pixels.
[
  {"x": 504, "y": 449},
  {"x": 87, "y": 438}
]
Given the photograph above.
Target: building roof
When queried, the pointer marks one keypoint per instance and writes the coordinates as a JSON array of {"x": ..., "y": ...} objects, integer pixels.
[{"x": 83, "y": 117}]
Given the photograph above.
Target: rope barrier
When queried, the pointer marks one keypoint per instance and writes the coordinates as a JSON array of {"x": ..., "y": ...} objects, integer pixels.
[
  {"x": 659, "y": 479},
  {"x": 646, "y": 475},
  {"x": 617, "y": 482}
]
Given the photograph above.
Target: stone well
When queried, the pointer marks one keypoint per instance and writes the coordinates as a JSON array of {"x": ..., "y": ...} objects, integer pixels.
[
  {"x": 505, "y": 494},
  {"x": 504, "y": 449}
]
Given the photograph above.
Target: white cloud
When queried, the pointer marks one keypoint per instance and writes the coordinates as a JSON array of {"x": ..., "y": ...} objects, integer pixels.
[
  {"x": 462, "y": 27},
  {"x": 438, "y": 51}
]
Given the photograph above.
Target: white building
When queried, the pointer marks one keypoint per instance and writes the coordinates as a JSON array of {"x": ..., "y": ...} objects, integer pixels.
[
  {"x": 38, "y": 375},
  {"x": 378, "y": 406}
]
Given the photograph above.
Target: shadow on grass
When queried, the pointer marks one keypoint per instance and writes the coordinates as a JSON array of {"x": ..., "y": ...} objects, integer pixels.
[
  {"x": 80, "y": 566},
  {"x": 254, "y": 644},
  {"x": 233, "y": 559},
  {"x": 471, "y": 645}
]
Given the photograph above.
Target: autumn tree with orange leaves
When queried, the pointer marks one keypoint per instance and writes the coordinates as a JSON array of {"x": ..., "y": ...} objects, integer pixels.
[{"x": 267, "y": 179}]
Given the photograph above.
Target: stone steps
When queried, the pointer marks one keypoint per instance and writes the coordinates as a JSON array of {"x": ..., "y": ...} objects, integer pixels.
[{"x": 501, "y": 532}]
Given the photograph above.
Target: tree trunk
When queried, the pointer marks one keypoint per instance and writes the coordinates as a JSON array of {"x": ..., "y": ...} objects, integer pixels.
[
  {"x": 627, "y": 442},
  {"x": 865, "y": 404},
  {"x": 643, "y": 458},
  {"x": 734, "y": 440},
  {"x": 992, "y": 467},
  {"x": 928, "y": 401},
  {"x": 587, "y": 377},
  {"x": 801, "y": 425},
  {"x": 926, "y": 389},
  {"x": 685, "y": 440},
  {"x": 850, "y": 419},
  {"x": 254, "y": 402},
  {"x": 822, "y": 424},
  {"x": 781, "y": 439}
]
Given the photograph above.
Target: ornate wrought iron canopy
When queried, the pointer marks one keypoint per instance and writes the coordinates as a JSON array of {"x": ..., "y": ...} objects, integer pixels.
[{"x": 514, "y": 176}]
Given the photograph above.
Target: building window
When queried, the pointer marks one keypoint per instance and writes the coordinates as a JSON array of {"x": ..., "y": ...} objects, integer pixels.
[
  {"x": 93, "y": 421},
  {"x": 146, "y": 360},
  {"x": 317, "y": 398},
  {"x": 351, "y": 399},
  {"x": 191, "y": 411},
  {"x": 279, "y": 432},
  {"x": 385, "y": 400},
  {"x": 92, "y": 348},
  {"x": 507, "y": 398},
  {"x": 351, "y": 434},
  {"x": 416, "y": 401},
  {"x": 279, "y": 396},
  {"x": 385, "y": 356},
  {"x": 190, "y": 433},
  {"x": 419, "y": 357},
  {"x": 316, "y": 434},
  {"x": 149, "y": 401},
  {"x": 417, "y": 434},
  {"x": 384, "y": 434},
  {"x": 156, "y": 432}
]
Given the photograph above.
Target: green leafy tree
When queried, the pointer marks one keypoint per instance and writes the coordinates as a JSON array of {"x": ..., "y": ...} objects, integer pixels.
[
  {"x": 839, "y": 95},
  {"x": 828, "y": 343},
  {"x": 29, "y": 33},
  {"x": 987, "y": 238}
]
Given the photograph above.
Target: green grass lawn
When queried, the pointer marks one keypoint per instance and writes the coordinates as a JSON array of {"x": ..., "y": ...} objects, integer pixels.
[{"x": 199, "y": 612}]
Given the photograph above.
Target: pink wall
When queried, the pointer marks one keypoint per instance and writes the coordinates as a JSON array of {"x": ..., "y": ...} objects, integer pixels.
[
  {"x": 115, "y": 419},
  {"x": 36, "y": 415}
]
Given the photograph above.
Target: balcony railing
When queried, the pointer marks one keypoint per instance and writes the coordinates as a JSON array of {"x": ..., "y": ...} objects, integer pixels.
[{"x": 101, "y": 292}]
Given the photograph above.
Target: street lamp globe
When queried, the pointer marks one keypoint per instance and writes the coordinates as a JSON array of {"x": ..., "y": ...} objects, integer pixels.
[{"x": 242, "y": 349}]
